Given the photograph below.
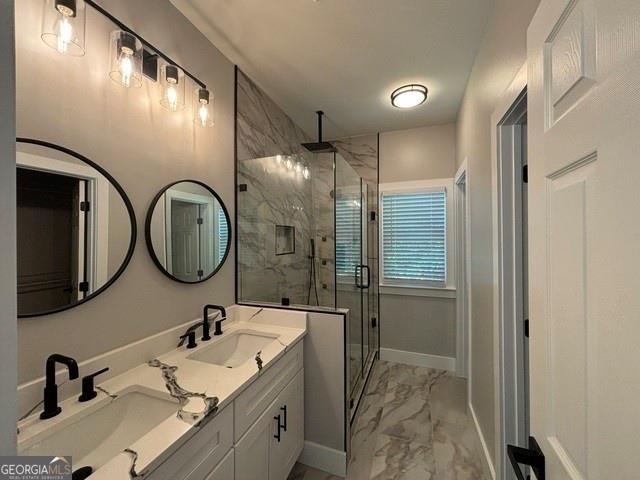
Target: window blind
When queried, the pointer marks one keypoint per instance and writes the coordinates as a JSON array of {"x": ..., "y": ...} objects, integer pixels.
[
  {"x": 414, "y": 237},
  {"x": 223, "y": 234},
  {"x": 348, "y": 235}
]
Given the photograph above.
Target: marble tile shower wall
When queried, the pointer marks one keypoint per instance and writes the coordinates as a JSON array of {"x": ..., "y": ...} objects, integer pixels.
[{"x": 273, "y": 196}]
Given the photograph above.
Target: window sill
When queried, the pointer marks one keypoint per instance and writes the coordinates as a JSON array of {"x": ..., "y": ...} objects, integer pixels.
[{"x": 434, "y": 292}]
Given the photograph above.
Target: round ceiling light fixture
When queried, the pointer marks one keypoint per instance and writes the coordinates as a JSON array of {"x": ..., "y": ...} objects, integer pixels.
[{"x": 409, "y": 96}]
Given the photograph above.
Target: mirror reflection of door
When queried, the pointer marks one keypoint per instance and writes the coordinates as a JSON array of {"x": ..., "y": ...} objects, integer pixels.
[
  {"x": 186, "y": 250},
  {"x": 51, "y": 239}
]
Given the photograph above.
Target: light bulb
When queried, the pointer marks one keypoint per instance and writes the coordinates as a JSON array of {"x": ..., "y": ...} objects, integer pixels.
[
  {"x": 172, "y": 97},
  {"x": 288, "y": 164},
  {"x": 65, "y": 34},
  {"x": 203, "y": 114},
  {"x": 298, "y": 167},
  {"x": 279, "y": 159},
  {"x": 305, "y": 173},
  {"x": 126, "y": 69}
]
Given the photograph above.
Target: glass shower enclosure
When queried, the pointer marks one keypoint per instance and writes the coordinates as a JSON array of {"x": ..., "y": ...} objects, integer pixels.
[{"x": 307, "y": 237}]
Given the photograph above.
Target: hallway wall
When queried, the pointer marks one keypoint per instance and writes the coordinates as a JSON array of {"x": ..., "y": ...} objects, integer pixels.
[
  {"x": 418, "y": 324},
  {"x": 8, "y": 327},
  {"x": 501, "y": 54}
]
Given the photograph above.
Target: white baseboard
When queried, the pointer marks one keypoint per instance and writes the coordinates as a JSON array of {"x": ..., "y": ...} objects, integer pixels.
[
  {"x": 324, "y": 458},
  {"x": 487, "y": 457},
  {"x": 418, "y": 359}
]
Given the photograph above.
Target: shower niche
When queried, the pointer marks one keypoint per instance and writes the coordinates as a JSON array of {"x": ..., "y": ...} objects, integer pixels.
[{"x": 285, "y": 240}]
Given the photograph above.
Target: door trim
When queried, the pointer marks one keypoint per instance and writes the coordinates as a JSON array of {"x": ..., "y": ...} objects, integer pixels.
[
  {"x": 504, "y": 426},
  {"x": 463, "y": 285}
]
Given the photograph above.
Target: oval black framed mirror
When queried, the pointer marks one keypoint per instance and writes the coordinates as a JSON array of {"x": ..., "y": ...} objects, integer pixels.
[
  {"x": 76, "y": 228},
  {"x": 188, "y": 231}
]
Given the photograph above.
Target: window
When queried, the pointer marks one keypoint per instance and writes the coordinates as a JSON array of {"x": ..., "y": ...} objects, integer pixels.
[
  {"x": 414, "y": 235},
  {"x": 223, "y": 235},
  {"x": 348, "y": 234}
]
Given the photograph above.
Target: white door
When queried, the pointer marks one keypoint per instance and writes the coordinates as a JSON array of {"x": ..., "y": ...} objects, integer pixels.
[{"x": 584, "y": 259}]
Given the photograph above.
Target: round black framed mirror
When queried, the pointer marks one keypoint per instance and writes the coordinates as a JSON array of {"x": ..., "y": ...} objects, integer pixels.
[
  {"x": 76, "y": 228},
  {"x": 188, "y": 231}
]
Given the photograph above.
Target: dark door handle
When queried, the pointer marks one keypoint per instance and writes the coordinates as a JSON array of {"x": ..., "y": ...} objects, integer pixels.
[
  {"x": 531, "y": 456},
  {"x": 277, "y": 435},
  {"x": 284, "y": 425}
]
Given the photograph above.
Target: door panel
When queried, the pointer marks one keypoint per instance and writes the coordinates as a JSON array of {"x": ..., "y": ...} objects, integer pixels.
[
  {"x": 584, "y": 119},
  {"x": 185, "y": 240}
]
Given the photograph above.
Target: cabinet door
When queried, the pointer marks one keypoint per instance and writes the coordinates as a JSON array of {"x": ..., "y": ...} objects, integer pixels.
[
  {"x": 252, "y": 451},
  {"x": 289, "y": 406},
  {"x": 225, "y": 469}
]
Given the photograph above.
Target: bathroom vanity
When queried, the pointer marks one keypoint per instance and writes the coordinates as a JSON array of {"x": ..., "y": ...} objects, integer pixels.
[{"x": 229, "y": 408}]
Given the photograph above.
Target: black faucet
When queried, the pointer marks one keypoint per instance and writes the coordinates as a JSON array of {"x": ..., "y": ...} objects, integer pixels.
[
  {"x": 51, "y": 408},
  {"x": 190, "y": 335},
  {"x": 218, "y": 323},
  {"x": 88, "y": 389}
]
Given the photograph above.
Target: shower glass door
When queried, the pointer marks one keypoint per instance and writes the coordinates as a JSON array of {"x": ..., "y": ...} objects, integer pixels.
[{"x": 349, "y": 248}]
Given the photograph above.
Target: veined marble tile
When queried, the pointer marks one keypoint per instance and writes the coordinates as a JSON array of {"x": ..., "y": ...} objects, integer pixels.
[
  {"x": 413, "y": 375},
  {"x": 449, "y": 400},
  {"x": 457, "y": 452},
  {"x": 397, "y": 459},
  {"x": 407, "y": 414}
]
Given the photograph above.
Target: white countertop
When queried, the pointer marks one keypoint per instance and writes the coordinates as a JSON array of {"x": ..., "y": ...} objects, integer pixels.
[{"x": 191, "y": 375}]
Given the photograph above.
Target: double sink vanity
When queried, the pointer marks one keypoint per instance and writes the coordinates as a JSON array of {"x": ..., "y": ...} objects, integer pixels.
[{"x": 231, "y": 407}]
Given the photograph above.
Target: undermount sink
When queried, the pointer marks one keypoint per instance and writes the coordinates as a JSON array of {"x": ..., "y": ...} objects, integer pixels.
[
  {"x": 93, "y": 438},
  {"x": 234, "y": 350}
]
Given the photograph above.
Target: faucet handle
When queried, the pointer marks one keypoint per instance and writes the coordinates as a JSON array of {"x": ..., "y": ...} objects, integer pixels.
[
  {"x": 191, "y": 337},
  {"x": 88, "y": 390}
]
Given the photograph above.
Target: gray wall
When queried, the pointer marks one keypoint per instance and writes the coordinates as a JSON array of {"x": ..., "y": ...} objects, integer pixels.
[
  {"x": 418, "y": 153},
  {"x": 410, "y": 323},
  {"x": 502, "y": 53},
  {"x": 7, "y": 234},
  {"x": 72, "y": 102}
]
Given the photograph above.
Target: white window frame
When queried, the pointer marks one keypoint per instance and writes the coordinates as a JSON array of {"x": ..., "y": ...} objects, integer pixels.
[{"x": 421, "y": 288}]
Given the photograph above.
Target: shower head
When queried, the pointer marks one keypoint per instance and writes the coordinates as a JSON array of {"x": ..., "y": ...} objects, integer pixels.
[{"x": 319, "y": 146}]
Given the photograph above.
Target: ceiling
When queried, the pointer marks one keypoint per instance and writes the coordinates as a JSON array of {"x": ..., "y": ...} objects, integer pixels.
[{"x": 347, "y": 56}]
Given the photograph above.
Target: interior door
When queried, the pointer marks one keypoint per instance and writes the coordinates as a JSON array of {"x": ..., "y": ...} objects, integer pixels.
[
  {"x": 584, "y": 233},
  {"x": 185, "y": 240}
]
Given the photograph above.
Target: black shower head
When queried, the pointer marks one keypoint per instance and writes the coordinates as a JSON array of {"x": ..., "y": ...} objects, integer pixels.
[{"x": 320, "y": 146}]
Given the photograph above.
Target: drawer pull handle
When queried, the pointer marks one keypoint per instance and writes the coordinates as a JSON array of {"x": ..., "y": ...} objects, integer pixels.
[
  {"x": 284, "y": 425},
  {"x": 277, "y": 435}
]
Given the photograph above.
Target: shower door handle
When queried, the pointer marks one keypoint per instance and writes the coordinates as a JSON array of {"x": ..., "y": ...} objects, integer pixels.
[{"x": 357, "y": 276}]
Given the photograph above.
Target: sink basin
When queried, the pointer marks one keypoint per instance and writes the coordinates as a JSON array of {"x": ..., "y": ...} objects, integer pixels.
[
  {"x": 234, "y": 350},
  {"x": 93, "y": 438}
]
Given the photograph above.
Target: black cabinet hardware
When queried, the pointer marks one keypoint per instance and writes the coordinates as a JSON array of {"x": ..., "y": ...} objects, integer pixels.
[
  {"x": 284, "y": 425},
  {"x": 531, "y": 456},
  {"x": 88, "y": 390},
  {"x": 277, "y": 435}
]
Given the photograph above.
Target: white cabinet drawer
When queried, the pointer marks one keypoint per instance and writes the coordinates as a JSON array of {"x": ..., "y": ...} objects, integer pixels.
[
  {"x": 202, "y": 452},
  {"x": 256, "y": 398},
  {"x": 225, "y": 469}
]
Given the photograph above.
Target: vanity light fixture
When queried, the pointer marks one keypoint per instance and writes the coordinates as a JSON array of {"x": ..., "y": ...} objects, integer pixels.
[
  {"x": 172, "y": 80},
  {"x": 126, "y": 59},
  {"x": 409, "y": 96},
  {"x": 203, "y": 107},
  {"x": 63, "y": 26}
]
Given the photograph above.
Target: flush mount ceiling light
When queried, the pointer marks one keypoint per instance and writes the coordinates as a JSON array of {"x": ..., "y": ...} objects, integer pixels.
[{"x": 409, "y": 96}]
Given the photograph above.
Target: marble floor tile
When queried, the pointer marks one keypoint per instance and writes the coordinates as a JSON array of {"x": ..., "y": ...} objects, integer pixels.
[
  {"x": 449, "y": 400},
  {"x": 456, "y": 452},
  {"x": 407, "y": 414},
  {"x": 411, "y": 425},
  {"x": 397, "y": 459}
]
